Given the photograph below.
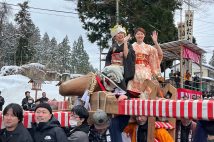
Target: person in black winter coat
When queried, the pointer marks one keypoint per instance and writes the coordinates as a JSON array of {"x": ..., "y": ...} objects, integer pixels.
[
  {"x": 78, "y": 123},
  {"x": 1, "y": 101},
  {"x": 47, "y": 127},
  {"x": 28, "y": 102},
  {"x": 43, "y": 99},
  {"x": 14, "y": 130}
]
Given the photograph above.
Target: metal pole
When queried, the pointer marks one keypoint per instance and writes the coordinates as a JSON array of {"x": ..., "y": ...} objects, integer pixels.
[
  {"x": 36, "y": 94},
  {"x": 117, "y": 12},
  {"x": 201, "y": 74}
]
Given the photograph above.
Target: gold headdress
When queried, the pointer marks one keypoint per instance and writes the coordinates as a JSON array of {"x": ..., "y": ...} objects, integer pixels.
[{"x": 117, "y": 29}]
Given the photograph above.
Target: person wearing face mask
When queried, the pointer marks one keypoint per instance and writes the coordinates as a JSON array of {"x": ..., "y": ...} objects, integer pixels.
[
  {"x": 46, "y": 128},
  {"x": 78, "y": 123},
  {"x": 28, "y": 101}
]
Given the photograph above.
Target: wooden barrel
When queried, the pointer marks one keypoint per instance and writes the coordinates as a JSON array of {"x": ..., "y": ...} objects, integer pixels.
[{"x": 77, "y": 86}]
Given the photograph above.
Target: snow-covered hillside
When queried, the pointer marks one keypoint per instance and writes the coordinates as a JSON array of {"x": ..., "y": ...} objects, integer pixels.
[{"x": 14, "y": 86}]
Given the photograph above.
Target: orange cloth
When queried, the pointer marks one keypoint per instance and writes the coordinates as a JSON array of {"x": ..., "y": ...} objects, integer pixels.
[
  {"x": 163, "y": 135},
  {"x": 187, "y": 76},
  {"x": 131, "y": 131}
]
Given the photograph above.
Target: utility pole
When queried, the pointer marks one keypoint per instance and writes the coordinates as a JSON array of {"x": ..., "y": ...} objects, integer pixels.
[
  {"x": 100, "y": 54},
  {"x": 188, "y": 4},
  {"x": 117, "y": 12},
  {"x": 181, "y": 13}
]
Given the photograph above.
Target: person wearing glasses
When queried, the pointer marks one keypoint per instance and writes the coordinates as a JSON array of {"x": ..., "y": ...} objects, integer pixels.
[{"x": 79, "y": 127}]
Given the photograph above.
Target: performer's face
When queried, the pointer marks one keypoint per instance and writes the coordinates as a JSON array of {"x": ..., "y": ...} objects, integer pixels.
[
  {"x": 139, "y": 36},
  {"x": 141, "y": 119},
  {"x": 120, "y": 37}
]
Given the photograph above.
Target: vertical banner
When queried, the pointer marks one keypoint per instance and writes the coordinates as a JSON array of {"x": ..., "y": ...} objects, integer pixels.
[
  {"x": 181, "y": 31},
  {"x": 189, "y": 25}
]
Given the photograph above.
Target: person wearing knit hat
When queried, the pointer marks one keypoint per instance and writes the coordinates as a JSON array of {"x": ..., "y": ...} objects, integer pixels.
[
  {"x": 107, "y": 129},
  {"x": 117, "y": 29},
  {"x": 44, "y": 105},
  {"x": 120, "y": 59},
  {"x": 46, "y": 126}
]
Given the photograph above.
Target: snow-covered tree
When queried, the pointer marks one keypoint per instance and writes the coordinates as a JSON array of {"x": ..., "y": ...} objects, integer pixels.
[
  {"x": 8, "y": 45},
  {"x": 44, "y": 51},
  {"x": 5, "y": 10},
  {"x": 80, "y": 59},
  {"x": 35, "y": 42},
  {"x": 26, "y": 28},
  {"x": 52, "y": 64},
  {"x": 64, "y": 55}
]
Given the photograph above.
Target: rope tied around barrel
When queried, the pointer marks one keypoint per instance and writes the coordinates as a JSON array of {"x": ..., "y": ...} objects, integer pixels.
[
  {"x": 92, "y": 84},
  {"x": 105, "y": 100}
]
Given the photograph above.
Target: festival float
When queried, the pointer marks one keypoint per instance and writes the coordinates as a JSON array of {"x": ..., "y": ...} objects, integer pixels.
[{"x": 172, "y": 109}]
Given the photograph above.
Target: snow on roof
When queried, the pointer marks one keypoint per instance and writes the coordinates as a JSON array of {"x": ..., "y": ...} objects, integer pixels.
[
  {"x": 75, "y": 75},
  {"x": 208, "y": 78},
  {"x": 10, "y": 70},
  {"x": 208, "y": 66},
  {"x": 34, "y": 65}
]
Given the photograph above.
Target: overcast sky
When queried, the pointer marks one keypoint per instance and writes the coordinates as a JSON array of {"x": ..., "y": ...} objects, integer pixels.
[{"x": 61, "y": 24}]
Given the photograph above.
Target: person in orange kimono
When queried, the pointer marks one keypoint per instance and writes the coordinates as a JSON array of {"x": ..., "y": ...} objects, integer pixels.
[
  {"x": 147, "y": 63},
  {"x": 138, "y": 127}
]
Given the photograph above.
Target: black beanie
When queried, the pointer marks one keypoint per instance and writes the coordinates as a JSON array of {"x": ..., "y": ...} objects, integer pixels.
[{"x": 44, "y": 105}]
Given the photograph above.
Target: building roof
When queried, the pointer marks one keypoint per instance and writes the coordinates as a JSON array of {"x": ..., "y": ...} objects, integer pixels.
[
  {"x": 172, "y": 50},
  {"x": 208, "y": 78}
]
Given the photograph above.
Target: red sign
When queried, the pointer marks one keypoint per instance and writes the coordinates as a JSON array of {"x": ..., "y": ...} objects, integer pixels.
[
  {"x": 189, "y": 54},
  {"x": 188, "y": 94}
]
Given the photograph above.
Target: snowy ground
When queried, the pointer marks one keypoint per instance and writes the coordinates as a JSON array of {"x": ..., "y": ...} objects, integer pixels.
[{"x": 14, "y": 86}]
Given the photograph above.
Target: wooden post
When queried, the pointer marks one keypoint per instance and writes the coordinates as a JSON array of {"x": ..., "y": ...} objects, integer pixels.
[
  {"x": 36, "y": 94},
  {"x": 201, "y": 74},
  {"x": 181, "y": 68},
  {"x": 151, "y": 120}
]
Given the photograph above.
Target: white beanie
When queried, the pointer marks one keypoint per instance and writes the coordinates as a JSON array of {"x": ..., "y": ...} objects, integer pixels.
[{"x": 117, "y": 29}]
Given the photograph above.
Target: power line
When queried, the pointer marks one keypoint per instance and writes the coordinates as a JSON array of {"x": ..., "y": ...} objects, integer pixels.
[
  {"x": 43, "y": 9},
  {"x": 47, "y": 13}
]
